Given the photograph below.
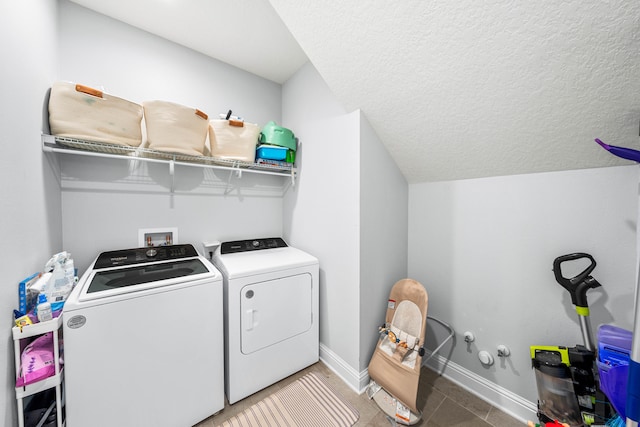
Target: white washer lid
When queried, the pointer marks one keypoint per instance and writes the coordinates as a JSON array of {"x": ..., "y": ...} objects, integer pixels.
[
  {"x": 242, "y": 264},
  {"x": 80, "y": 295}
]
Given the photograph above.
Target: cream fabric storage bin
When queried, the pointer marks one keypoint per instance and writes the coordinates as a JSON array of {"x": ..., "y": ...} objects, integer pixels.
[
  {"x": 233, "y": 140},
  {"x": 175, "y": 128},
  {"x": 77, "y": 111}
]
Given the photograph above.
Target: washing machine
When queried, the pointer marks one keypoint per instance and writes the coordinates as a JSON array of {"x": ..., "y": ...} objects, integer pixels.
[
  {"x": 271, "y": 313},
  {"x": 142, "y": 340}
]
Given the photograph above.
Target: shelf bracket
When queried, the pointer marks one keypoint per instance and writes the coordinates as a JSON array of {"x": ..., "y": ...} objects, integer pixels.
[
  {"x": 226, "y": 190},
  {"x": 48, "y": 141},
  {"x": 133, "y": 165},
  {"x": 172, "y": 173},
  {"x": 238, "y": 172}
]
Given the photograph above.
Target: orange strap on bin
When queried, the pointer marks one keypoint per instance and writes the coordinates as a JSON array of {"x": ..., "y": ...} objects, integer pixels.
[{"x": 89, "y": 90}]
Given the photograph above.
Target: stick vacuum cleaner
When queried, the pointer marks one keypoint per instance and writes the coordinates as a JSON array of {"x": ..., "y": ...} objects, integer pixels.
[
  {"x": 565, "y": 376},
  {"x": 578, "y": 287}
]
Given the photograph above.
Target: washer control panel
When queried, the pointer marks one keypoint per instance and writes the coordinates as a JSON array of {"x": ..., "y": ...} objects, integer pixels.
[
  {"x": 251, "y": 245},
  {"x": 143, "y": 255}
]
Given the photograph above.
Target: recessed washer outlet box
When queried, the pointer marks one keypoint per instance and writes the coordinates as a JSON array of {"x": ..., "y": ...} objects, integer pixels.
[{"x": 157, "y": 236}]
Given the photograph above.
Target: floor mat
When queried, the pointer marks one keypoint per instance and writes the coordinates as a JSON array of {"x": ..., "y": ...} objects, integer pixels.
[{"x": 308, "y": 402}]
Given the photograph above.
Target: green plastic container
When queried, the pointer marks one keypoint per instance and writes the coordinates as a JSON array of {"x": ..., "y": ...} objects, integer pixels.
[
  {"x": 277, "y": 135},
  {"x": 291, "y": 156}
]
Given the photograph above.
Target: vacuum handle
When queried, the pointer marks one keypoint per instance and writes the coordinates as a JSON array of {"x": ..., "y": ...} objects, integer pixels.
[{"x": 579, "y": 284}]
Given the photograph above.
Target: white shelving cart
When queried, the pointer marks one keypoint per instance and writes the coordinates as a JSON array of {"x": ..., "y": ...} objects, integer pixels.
[{"x": 21, "y": 338}]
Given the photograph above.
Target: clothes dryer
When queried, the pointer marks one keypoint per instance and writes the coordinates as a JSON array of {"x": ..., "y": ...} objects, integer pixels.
[
  {"x": 142, "y": 342},
  {"x": 271, "y": 313}
]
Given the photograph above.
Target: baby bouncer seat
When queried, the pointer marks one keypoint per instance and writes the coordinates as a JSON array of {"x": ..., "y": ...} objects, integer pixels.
[{"x": 395, "y": 365}]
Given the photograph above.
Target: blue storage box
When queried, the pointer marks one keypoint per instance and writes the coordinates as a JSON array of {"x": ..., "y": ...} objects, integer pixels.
[
  {"x": 614, "y": 352},
  {"x": 614, "y": 345},
  {"x": 271, "y": 152}
]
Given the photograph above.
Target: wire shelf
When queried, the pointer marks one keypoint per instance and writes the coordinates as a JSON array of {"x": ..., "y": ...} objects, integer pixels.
[{"x": 61, "y": 144}]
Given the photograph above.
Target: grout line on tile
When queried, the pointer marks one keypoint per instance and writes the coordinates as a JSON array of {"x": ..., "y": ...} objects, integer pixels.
[{"x": 426, "y": 420}]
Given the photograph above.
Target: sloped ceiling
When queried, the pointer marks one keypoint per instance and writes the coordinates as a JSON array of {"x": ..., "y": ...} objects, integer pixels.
[
  {"x": 455, "y": 90},
  {"x": 245, "y": 33}
]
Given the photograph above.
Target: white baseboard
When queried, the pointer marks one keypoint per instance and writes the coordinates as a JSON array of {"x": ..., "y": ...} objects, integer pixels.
[
  {"x": 499, "y": 397},
  {"x": 354, "y": 379}
]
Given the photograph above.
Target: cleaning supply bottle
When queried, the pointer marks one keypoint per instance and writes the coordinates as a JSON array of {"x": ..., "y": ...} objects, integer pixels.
[
  {"x": 63, "y": 277},
  {"x": 44, "y": 309}
]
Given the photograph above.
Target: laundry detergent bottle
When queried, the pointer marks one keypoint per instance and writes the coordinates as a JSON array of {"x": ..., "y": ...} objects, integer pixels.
[{"x": 44, "y": 309}]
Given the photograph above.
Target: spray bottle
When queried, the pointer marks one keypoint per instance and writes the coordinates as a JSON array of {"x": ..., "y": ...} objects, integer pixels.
[{"x": 62, "y": 279}]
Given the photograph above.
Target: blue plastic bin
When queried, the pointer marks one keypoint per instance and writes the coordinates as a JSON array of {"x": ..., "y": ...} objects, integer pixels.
[
  {"x": 271, "y": 152},
  {"x": 614, "y": 353}
]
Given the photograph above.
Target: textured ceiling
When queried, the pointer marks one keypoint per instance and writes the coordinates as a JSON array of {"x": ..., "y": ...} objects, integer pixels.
[
  {"x": 454, "y": 90},
  {"x": 470, "y": 89}
]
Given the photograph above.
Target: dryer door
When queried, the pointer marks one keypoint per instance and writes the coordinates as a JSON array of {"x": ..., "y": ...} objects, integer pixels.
[{"x": 275, "y": 310}]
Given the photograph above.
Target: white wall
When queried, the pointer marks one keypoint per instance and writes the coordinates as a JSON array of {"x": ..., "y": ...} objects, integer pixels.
[
  {"x": 484, "y": 248},
  {"x": 322, "y": 211},
  {"x": 349, "y": 209},
  {"x": 383, "y": 235},
  {"x": 105, "y": 53},
  {"x": 30, "y": 196},
  {"x": 106, "y": 201}
]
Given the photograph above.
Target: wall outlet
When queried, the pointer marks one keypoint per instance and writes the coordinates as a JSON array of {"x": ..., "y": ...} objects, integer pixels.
[{"x": 157, "y": 236}]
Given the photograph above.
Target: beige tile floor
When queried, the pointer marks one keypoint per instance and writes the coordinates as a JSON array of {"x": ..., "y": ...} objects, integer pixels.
[{"x": 447, "y": 405}]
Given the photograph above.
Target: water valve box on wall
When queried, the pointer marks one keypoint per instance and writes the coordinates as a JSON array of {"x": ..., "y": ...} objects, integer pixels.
[{"x": 157, "y": 236}]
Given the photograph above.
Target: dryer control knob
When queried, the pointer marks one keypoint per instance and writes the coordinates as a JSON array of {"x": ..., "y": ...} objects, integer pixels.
[
  {"x": 151, "y": 253},
  {"x": 255, "y": 243}
]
